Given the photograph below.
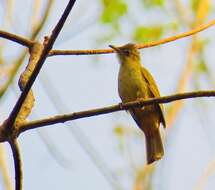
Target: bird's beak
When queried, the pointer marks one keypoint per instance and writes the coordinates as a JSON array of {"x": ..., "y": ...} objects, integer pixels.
[{"x": 115, "y": 48}]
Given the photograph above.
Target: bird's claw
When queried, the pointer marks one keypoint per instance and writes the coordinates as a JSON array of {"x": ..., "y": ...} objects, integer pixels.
[{"x": 121, "y": 105}]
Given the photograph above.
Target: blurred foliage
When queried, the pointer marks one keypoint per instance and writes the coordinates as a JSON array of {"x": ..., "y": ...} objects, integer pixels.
[
  {"x": 154, "y": 3},
  {"x": 201, "y": 66},
  {"x": 119, "y": 131},
  {"x": 113, "y": 10},
  {"x": 195, "y": 4},
  {"x": 148, "y": 33},
  {"x": 200, "y": 60}
]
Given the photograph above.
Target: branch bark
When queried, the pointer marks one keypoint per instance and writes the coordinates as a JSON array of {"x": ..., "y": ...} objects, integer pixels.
[
  {"x": 42, "y": 53},
  {"x": 47, "y": 47},
  {"x": 118, "y": 107},
  {"x": 139, "y": 46},
  {"x": 22, "y": 56},
  {"x": 17, "y": 164},
  {"x": 15, "y": 38}
]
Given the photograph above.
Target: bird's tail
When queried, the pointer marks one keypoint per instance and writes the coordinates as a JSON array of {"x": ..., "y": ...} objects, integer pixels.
[{"x": 154, "y": 146}]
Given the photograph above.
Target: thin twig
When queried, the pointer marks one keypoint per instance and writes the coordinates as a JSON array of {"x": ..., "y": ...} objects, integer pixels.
[
  {"x": 13, "y": 72},
  {"x": 17, "y": 164},
  {"x": 6, "y": 178},
  {"x": 187, "y": 71},
  {"x": 35, "y": 55},
  {"x": 22, "y": 56},
  {"x": 139, "y": 46},
  {"x": 206, "y": 174},
  {"x": 185, "y": 76},
  {"x": 47, "y": 47},
  {"x": 118, "y": 107},
  {"x": 15, "y": 38},
  {"x": 24, "y": 41}
]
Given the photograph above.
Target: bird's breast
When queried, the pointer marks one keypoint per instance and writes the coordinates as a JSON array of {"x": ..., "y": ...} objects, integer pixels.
[{"x": 131, "y": 85}]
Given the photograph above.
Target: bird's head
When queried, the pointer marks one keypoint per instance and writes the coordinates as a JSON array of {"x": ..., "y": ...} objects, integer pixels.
[{"x": 128, "y": 52}]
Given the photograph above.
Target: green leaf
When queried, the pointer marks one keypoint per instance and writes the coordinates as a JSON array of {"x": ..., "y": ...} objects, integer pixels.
[
  {"x": 154, "y": 3},
  {"x": 148, "y": 33},
  {"x": 195, "y": 4},
  {"x": 119, "y": 131},
  {"x": 202, "y": 66},
  {"x": 113, "y": 10}
]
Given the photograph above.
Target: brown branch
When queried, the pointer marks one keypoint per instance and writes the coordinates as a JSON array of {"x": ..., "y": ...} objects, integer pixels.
[
  {"x": 118, "y": 107},
  {"x": 15, "y": 38},
  {"x": 47, "y": 47},
  {"x": 140, "y": 46},
  {"x": 17, "y": 164},
  {"x": 19, "y": 61},
  {"x": 24, "y": 41},
  {"x": 35, "y": 55}
]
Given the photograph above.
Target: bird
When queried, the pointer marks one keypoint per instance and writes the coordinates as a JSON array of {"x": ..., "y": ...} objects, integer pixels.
[{"x": 135, "y": 83}]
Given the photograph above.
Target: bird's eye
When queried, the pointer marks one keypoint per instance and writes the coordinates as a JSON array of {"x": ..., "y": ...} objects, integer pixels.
[{"x": 127, "y": 52}]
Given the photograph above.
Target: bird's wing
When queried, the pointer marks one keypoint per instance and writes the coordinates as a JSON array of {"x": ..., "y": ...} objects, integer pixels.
[{"x": 154, "y": 90}]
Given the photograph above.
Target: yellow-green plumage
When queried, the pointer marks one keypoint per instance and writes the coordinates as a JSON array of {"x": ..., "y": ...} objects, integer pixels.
[{"x": 135, "y": 82}]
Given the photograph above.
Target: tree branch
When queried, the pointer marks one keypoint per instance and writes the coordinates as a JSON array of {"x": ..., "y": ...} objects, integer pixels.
[
  {"x": 118, "y": 107},
  {"x": 47, "y": 47},
  {"x": 19, "y": 61},
  {"x": 140, "y": 46},
  {"x": 15, "y": 38},
  {"x": 17, "y": 164}
]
